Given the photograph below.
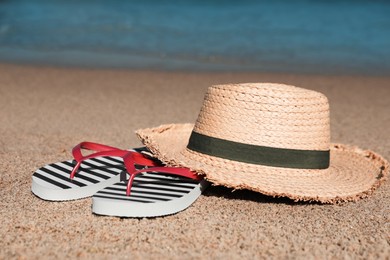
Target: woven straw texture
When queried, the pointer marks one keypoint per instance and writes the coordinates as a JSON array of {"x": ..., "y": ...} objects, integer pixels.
[{"x": 273, "y": 115}]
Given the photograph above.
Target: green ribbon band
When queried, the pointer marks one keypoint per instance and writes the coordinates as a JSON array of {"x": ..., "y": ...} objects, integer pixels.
[{"x": 262, "y": 155}]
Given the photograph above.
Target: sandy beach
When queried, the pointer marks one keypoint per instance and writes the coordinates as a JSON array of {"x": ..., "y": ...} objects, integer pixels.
[{"x": 45, "y": 111}]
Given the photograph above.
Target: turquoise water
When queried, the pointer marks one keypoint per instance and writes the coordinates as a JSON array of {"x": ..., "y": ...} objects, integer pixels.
[{"x": 289, "y": 36}]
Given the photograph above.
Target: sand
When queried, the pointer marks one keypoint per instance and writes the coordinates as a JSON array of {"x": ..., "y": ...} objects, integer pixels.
[{"x": 44, "y": 112}]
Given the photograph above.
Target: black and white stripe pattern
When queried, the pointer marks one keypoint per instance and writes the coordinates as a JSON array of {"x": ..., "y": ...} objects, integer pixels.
[
  {"x": 91, "y": 171},
  {"x": 152, "y": 194},
  {"x": 52, "y": 182},
  {"x": 150, "y": 187}
]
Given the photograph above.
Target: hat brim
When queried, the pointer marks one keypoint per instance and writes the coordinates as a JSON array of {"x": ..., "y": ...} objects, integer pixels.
[{"x": 353, "y": 173}]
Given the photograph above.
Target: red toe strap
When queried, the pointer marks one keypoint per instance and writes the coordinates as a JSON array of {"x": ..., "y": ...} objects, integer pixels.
[
  {"x": 180, "y": 171},
  {"x": 130, "y": 159},
  {"x": 101, "y": 150}
]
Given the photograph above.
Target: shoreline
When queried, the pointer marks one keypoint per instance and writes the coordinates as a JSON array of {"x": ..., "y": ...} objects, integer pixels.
[
  {"x": 44, "y": 66},
  {"x": 123, "y": 61}
]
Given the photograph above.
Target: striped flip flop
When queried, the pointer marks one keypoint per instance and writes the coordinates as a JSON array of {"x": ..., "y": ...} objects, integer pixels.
[
  {"x": 83, "y": 176},
  {"x": 152, "y": 194},
  {"x": 125, "y": 183},
  {"x": 52, "y": 182}
]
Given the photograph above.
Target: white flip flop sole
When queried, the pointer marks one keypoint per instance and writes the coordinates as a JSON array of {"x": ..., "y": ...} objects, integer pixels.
[
  {"x": 52, "y": 182},
  {"x": 152, "y": 194}
]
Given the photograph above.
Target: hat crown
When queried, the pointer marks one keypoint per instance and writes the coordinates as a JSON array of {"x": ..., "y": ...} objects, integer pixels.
[{"x": 266, "y": 114}]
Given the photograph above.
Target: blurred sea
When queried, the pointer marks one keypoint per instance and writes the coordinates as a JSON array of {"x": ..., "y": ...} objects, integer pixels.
[{"x": 311, "y": 36}]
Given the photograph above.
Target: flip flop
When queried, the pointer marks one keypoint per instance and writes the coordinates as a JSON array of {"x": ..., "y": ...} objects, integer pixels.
[
  {"x": 81, "y": 177},
  {"x": 153, "y": 194},
  {"x": 124, "y": 183},
  {"x": 149, "y": 191}
]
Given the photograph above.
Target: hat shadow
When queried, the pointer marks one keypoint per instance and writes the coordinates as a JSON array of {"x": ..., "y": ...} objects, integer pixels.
[{"x": 231, "y": 194}]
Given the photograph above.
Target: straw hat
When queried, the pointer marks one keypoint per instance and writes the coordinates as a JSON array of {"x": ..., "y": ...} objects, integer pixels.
[{"x": 269, "y": 138}]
